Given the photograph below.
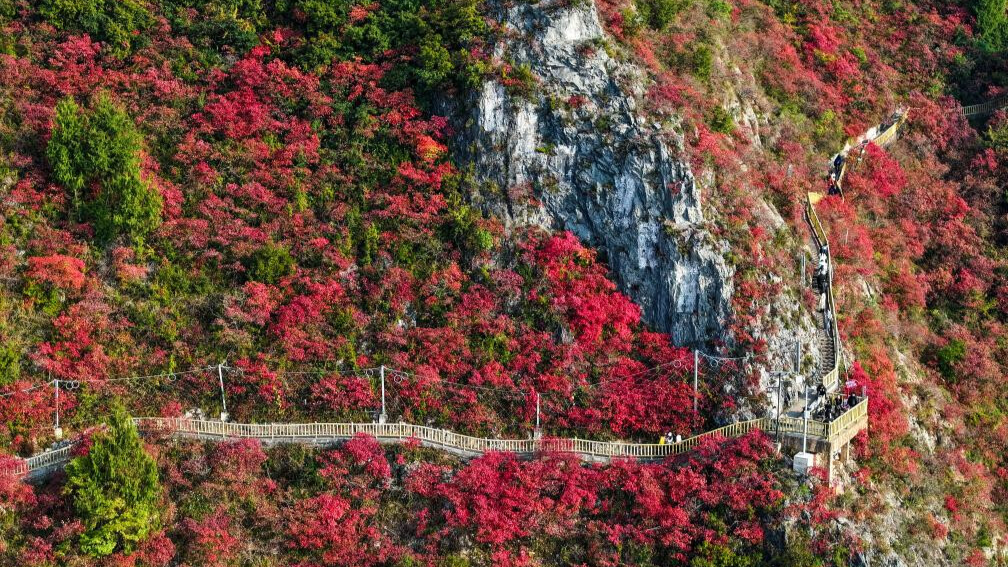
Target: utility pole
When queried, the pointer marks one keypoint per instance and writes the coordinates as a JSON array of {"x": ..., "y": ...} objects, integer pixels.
[
  {"x": 57, "y": 430},
  {"x": 538, "y": 428},
  {"x": 779, "y": 375},
  {"x": 696, "y": 378},
  {"x": 797, "y": 360},
  {"x": 220, "y": 378},
  {"x": 805, "y": 412},
  {"x": 383, "y": 417}
]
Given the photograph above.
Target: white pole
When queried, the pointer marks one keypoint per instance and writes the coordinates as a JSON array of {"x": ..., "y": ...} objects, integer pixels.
[
  {"x": 220, "y": 378},
  {"x": 804, "y": 441},
  {"x": 537, "y": 411},
  {"x": 57, "y": 431},
  {"x": 797, "y": 362},
  {"x": 383, "y": 417},
  {"x": 696, "y": 377}
]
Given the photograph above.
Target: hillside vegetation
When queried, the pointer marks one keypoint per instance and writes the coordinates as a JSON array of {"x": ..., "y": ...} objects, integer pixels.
[{"x": 265, "y": 185}]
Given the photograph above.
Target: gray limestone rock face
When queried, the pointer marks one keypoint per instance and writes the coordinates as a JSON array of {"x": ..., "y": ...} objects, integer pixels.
[{"x": 576, "y": 155}]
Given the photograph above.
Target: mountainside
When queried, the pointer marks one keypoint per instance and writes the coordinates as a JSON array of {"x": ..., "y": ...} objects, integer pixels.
[
  {"x": 576, "y": 220},
  {"x": 575, "y": 153}
]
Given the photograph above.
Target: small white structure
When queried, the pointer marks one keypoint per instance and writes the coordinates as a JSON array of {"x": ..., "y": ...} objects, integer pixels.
[{"x": 803, "y": 462}]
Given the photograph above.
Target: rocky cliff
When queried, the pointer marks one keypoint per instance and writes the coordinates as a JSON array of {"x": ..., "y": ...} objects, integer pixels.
[{"x": 572, "y": 152}]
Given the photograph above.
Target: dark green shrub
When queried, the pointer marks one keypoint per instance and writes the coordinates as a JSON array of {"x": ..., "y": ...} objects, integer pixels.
[
  {"x": 948, "y": 356},
  {"x": 719, "y": 9},
  {"x": 714, "y": 555},
  {"x": 702, "y": 62},
  {"x": 115, "y": 490},
  {"x": 658, "y": 14},
  {"x": 721, "y": 120},
  {"x": 110, "y": 21},
  {"x": 438, "y": 32},
  {"x": 271, "y": 263},
  {"x": 992, "y": 23},
  {"x": 10, "y": 362}
]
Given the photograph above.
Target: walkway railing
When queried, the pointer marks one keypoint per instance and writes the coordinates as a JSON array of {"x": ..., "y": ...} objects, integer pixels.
[
  {"x": 831, "y": 378},
  {"x": 984, "y": 107},
  {"x": 324, "y": 433},
  {"x": 851, "y": 418}
]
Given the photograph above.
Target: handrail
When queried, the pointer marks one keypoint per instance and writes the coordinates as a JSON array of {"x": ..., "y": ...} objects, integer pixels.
[
  {"x": 444, "y": 439},
  {"x": 831, "y": 379},
  {"x": 983, "y": 107}
]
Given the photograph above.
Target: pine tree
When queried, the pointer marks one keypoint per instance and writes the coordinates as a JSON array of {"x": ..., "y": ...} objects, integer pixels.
[
  {"x": 102, "y": 147},
  {"x": 115, "y": 490},
  {"x": 993, "y": 25}
]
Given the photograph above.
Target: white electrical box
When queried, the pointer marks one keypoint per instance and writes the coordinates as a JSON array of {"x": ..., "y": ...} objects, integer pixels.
[{"x": 803, "y": 462}]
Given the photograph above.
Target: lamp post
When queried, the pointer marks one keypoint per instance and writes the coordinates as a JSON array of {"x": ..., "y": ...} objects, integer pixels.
[
  {"x": 696, "y": 373},
  {"x": 220, "y": 378},
  {"x": 383, "y": 417},
  {"x": 57, "y": 430},
  {"x": 538, "y": 426}
]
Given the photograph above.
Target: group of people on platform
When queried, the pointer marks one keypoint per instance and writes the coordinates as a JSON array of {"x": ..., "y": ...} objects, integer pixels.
[{"x": 834, "y": 406}]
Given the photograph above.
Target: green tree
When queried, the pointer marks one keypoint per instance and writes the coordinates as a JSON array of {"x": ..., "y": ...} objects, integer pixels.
[
  {"x": 67, "y": 149},
  {"x": 10, "y": 361},
  {"x": 949, "y": 356},
  {"x": 270, "y": 263},
  {"x": 115, "y": 489},
  {"x": 110, "y": 21},
  {"x": 103, "y": 147},
  {"x": 992, "y": 24}
]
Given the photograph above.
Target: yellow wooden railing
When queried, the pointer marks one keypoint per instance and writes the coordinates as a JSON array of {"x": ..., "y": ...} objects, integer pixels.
[
  {"x": 831, "y": 378},
  {"x": 885, "y": 137},
  {"x": 854, "y": 417}
]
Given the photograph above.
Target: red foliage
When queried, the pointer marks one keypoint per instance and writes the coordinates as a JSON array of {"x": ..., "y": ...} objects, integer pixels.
[
  {"x": 63, "y": 272},
  {"x": 331, "y": 532},
  {"x": 211, "y": 539}
]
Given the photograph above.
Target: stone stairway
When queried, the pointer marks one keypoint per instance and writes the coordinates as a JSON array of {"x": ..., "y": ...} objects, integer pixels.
[{"x": 827, "y": 357}]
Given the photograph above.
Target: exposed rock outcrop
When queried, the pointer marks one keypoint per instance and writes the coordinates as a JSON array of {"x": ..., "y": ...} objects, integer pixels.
[{"x": 575, "y": 155}]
